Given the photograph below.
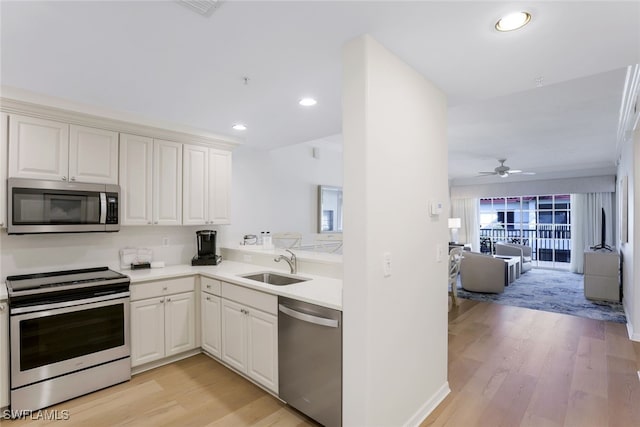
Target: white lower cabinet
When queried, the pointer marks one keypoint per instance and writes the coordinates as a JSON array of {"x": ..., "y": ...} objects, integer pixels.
[
  {"x": 210, "y": 326},
  {"x": 250, "y": 335},
  {"x": 4, "y": 354},
  {"x": 163, "y": 325}
]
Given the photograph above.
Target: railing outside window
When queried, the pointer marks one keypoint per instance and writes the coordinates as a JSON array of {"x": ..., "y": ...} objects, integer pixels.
[{"x": 543, "y": 240}]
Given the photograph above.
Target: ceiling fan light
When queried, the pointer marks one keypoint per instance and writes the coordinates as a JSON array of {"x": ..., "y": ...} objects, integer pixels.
[{"x": 513, "y": 21}]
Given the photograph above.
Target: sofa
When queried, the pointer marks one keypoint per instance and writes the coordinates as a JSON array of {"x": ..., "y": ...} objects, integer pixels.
[
  {"x": 512, "y": 249},
  {"x": 482, "y": 273}
]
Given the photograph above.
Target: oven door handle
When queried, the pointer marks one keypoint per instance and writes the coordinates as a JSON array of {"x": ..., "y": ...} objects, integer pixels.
[
  {"x": 65, "y": 304},
  {"x": 103, "y": 208}
]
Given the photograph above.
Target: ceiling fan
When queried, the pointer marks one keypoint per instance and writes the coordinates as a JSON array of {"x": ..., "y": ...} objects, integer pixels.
[{"x": 504, "y": 171}]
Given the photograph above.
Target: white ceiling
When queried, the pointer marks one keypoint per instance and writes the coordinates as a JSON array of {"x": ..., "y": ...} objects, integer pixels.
[{"x": 163, "y": 61}]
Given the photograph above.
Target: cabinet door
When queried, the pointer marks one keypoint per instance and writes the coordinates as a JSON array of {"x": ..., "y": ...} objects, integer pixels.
[
  {"x": 210, "y": 323},
  {"x": 167, "y": 183},
  {"x": 4, "y": 136},
  {"x": 234, "y": 336},
  {"x": 38, "y": 148},
  {"x": 93, "y": 155},
  {"x": 4, "y": 354},
  {"x": 147, "y": 331},
  {"x": 219, "y": 186},
  {"x": 136, "y": 178},
  {"x": 195, "y": 185},
  {"x": 180, "y": 328},
  {"x": 262, "y": 348}
]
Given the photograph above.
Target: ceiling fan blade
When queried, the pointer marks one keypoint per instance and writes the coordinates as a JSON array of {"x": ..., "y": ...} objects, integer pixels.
[
  {"x": 515, "y": 171},
  {"x": 528, "y": 173},
  {"x": 487, "y": 173}
]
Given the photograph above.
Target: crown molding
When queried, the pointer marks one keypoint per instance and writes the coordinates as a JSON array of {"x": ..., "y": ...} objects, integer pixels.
[{"x": 33, "y": 105}]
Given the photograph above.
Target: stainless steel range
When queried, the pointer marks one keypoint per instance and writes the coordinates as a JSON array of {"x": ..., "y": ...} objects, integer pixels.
[{"x": 69, "y": 333}]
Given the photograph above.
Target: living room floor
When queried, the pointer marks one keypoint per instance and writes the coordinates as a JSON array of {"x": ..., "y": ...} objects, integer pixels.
[{"x": 514, "y": 366}]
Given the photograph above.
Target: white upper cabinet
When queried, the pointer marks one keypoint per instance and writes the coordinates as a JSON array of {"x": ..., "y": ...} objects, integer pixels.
[
  {"x": 219, "y": 186},
  {"x": 195, "y": 185},
  {"x": 38, "y": 148},
  {"x": 167, "y": 183},
  {"x": 46, "y": 149},
  {"x": 93, "y": 155},
  {"x": 207, "y": 186},
  {"x": 4, "y": 130},
  {"x": 150, "y": 180},
  {"x": 136, "y": 179}
]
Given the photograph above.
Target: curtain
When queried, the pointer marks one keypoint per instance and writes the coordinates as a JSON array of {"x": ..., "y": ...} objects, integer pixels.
[
  {"x": 468, "y": 210},
  {"x": 586, "y": 220}
]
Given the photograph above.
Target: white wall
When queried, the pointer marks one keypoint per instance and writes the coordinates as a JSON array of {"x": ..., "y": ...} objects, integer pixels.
[
  {"x": 276, "y": 190},
  {"x": 630, "y": 166},
  {"x": 50, "y": 252},
  {"x": 395, "y": 156}
]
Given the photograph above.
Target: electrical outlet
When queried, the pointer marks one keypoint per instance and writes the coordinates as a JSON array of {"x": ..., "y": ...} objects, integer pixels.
[
  {"x": 386, "y": 264},
  {"x": 165, "y": 241},
  {"x": 439, "y": 252}
]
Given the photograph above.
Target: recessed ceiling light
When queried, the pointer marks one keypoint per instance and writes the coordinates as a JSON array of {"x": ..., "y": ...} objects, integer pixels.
[
  {"x": 513, "y": 21},
  {"x": 307, "y": 102},
  {"x": 239, "y": 126}
]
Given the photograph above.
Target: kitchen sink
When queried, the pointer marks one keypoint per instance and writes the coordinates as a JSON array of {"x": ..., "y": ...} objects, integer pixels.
[{"x": 272, "y": 278}]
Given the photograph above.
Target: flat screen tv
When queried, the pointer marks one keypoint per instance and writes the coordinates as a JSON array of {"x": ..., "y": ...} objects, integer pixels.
[{"x": 603, "y": 234}]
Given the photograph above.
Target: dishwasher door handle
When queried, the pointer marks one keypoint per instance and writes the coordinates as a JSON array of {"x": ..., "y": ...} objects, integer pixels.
[{"x": 308, "y": 317}]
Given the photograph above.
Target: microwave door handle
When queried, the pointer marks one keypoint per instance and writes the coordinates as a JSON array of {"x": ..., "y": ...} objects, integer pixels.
[{"x": 103, "y": 208}]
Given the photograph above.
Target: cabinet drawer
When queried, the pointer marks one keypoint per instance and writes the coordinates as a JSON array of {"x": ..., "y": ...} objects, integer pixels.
[
  {"x": 257, "y": 299},
  {"x": 162, "y": 287},
  {"x": 210, "y": 286}
]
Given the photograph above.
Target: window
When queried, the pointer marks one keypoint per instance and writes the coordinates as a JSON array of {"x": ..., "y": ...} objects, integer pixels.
[{"x": 542, "y": 222}]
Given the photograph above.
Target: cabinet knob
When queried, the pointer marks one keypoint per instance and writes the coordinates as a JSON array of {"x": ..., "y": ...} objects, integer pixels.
[
  {"x": 164, "y": 288},
  {"x": 208, "y": 286},
  {"x": 168, "y": 299},
  {"x": 208, "y": 298},
  {"x": 64, "y": 178},
  {"x": 155, "y": 222},
  {"x": 162, "y": 300},
  {"x": 73, "y": 178},
  {"x": 2, "y": 307},
  {"x": 148, "y": 222}
]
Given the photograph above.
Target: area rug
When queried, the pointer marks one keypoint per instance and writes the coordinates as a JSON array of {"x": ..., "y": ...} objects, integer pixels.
[{"x": 551, "y": 290}]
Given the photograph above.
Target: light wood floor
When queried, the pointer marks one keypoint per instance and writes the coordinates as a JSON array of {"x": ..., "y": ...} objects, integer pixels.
[
  {"x": 197, "y": 391},
  {"x": 511, "y": 366},
  {"x": 508, "y": 366}
]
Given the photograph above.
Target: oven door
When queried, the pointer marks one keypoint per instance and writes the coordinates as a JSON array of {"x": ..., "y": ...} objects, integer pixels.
[{"x": 68, "y": 337}]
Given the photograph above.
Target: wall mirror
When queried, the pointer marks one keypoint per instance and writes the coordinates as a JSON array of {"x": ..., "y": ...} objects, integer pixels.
[{"x": 329, "y": 209}]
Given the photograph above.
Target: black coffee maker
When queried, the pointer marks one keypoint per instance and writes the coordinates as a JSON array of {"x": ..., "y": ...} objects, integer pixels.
[{"x": 206, "y": 244}]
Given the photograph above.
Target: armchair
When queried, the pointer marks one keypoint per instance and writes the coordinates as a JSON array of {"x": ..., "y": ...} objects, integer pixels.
[
  {"x": 482, "y": 273},
  {"x": 512, "y": 249}
]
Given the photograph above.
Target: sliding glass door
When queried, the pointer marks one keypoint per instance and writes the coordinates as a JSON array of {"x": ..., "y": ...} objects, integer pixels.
[{"x": 542, "y": 222}]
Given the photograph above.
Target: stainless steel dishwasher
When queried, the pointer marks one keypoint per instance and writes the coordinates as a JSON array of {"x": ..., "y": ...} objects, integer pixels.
[{"x": 310, "y": 359}]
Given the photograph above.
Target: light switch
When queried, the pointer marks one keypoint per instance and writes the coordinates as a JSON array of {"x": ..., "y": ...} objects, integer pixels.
[
  {"x": 439, "y": 252},
  {"x": 386, "y": 264}
]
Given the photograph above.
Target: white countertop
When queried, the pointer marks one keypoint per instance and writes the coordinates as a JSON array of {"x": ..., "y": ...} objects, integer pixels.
[
  {"x": 319, "y": 290},
  {"x": 3, "y": 291}
]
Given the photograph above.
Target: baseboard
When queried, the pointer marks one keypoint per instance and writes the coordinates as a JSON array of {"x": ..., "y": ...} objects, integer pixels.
[
  {"x": 157, "y": 363},
  {"x": 428, "y": 407},
  {"x": 633, "y": 336}
]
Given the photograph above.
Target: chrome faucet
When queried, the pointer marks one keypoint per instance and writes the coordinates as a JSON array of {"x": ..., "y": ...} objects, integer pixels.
[{"x": 293, "y": 262}]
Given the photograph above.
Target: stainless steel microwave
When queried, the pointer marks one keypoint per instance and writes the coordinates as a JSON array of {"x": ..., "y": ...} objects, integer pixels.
[{"x": 39, "y": 206}]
